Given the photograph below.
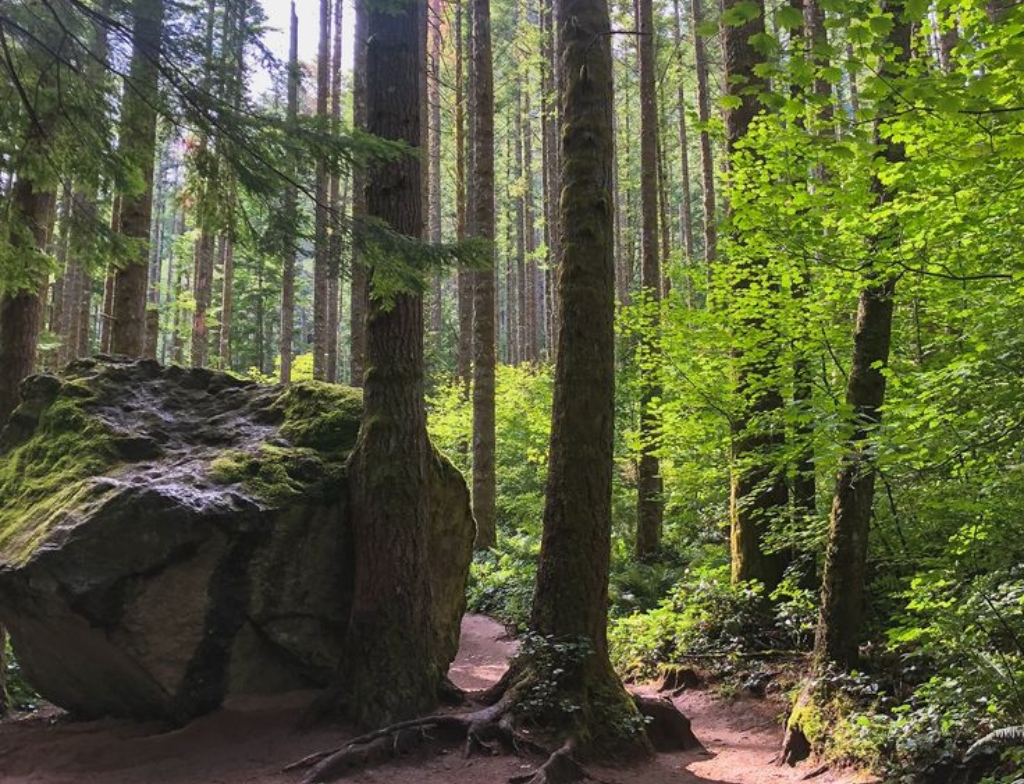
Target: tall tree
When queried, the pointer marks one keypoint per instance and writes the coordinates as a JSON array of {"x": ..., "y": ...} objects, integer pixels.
[
  {"x": 758, "y": 492},
  {"x": 390, "y": 669},
  {"x": 360, "y": 277},
  {"x": 337, "y": 205},
  {"x": 570, "y": 600},
  {"x": 291, "y": 196},
  {"x": 685, "y": 206},
  {"x": 484, "y": 348},
  {"x": 322, "y": 206},
  {"x": 464, "y": 350},
  {"x": 649, "y": 484},
  {"x": 842, "y": 593},
  {"x": 707, "y": 161},
  {"x": 138, "y": 143}
]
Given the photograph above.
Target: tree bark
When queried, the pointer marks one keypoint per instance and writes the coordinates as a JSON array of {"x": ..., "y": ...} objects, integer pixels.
[
  {"x": 389, "y": 667},
  {"x": 464, "y": 350},
  {"x": 291, "y": 215},
  {"x": 707, "y": 161},
  {"x": 685, "y": 206},
  {"x": 649, "y": 483},
  {"x": 570, "y": 600},
  {"x": 360, "y": 276},
  {"x": 483, "y": 293},
  {"x": 322, "y": 206},
  {"x": 337, "y": 207},
  {"x": 842, "y": 591}
]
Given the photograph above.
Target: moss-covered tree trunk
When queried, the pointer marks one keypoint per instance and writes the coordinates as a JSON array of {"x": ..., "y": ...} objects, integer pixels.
[
  {"x": 570, "y": 602},
  {"x": 758, "y": 492},
  {"x": 390, "y": 669},
  {"x": 649, "y": 483},
  {"x": 843, "y": 583},
  {"x": 138, "y": 142}
]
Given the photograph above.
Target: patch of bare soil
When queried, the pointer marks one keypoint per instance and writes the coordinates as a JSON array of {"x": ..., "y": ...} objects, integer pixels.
[{"x": 249, "y": 741}]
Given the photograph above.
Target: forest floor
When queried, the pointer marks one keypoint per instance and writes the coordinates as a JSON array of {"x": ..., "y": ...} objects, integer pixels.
[{"x": 248, "y": 741}]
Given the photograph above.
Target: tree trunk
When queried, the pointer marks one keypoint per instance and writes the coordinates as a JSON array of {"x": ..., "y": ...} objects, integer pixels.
[
  {"x": 434, "y": 22},
  {"x": 483, "y": 294},
  {"x": 528, "y": 298},
  {"x": 360, "y": 277},
  {"x": 685, "y": 207},
  {"x": 203, "y": 283},
  {"x": 390, "y": 668},
  {"x": 291, "y": 215},
  {"x": 322, "y": 207},
  {"x": 464, "y": 350},
  {"x": 337, "y": 207},
  {"x": 570, "y": 601},
  {"x": 138, "y": 144},
  {"x": 842, "y": 592},
  {"x": 552, "y": 133},
  {"x": 649, "y": 483},
  {"x": 707, "y": 162},
  {"x": 227, "y": 301},
  {"x": 758, "y": 493}
]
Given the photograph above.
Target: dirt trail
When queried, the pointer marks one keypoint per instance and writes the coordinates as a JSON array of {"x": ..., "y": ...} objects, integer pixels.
[{"x": 249, "y": 740}]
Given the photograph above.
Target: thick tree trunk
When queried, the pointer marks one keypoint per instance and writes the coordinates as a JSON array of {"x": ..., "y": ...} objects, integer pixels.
[
  {"x": 843, "y": 582},
  {"x": 570, "y": 601},
  {"x": 203, "y": 283},
  {"x": 389, "y": 667},
  {"x": 649, "y": 483},
  {"x": 291, "y": 216},
  {"x": 138, "y": 143},
  {"x": 483, "y": 294}
]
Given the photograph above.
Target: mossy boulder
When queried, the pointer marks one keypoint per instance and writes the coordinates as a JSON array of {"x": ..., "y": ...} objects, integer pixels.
[{"x": 170, "y": 537}]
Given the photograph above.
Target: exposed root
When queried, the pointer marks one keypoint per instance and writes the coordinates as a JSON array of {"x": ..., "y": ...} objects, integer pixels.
[{"x": 561, "y": 768}]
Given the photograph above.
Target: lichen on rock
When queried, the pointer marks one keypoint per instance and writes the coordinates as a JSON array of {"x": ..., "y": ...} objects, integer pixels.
[{"x": 172, "y": 536}]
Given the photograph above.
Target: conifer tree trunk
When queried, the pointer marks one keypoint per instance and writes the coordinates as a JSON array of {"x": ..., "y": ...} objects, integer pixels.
[
  {"x": 483, "y": 290},
  {"x": 649, "y": 484},
  {"x": 464, "y": 350},
  {"x": 570, "y": 600},
  {"x": 842, "y": 592},
  {"x": 203, "y": 282},
  {"x": 552, "y": 132},
  {"x": 290, "y": 213},
  {"x": 360, "y": 277},
  {"x": 227, "y": 302},
  {"x": 707, "y": 162},
  {"x": 390, "y": 668},
  {"x": 685, "y": 206},
  {"x": 322, "y": 208},
  {"x": 337, "y": 207},
  {"x": 138, "y": 142},
  {"x": 528, "y": 286},
  {"x": 434, "y": 22}
]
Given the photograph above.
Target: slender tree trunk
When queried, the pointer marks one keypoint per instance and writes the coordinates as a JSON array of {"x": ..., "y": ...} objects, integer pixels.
[
  {"x": 483, "y": 294},
  {"x": 527, "y": 294},
  {"x": 552, "y": 131},
  {"x": 707, "y": 162},
  {"x": 337, "y": 207},
  {"x": 434, "y": 22},
  {"x": 390, "y": 667},
  {"x": 291, "y": 215},
  {"x": 464, "y": 353},
  {"x": 685, "y": 206},
  {"x": 843, "y": 583},
  {"x": 322, "y": 208},
  {"x": 649, "y": 483},
  {"x": 227, "y": 302},
  {"x": 360, "y": 275}
]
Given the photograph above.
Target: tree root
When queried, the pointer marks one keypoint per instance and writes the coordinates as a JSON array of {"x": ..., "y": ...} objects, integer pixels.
[{"x": 488, "y": 731}]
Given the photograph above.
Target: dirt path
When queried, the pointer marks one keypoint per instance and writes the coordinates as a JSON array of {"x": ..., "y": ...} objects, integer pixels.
[{"x": 248, "y": 740}]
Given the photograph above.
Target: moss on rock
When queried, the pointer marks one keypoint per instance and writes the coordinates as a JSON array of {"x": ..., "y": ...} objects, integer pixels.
[{"x": 320, "y": 416}]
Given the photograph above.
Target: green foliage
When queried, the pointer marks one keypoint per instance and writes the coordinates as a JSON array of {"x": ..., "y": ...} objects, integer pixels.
[
  {"x": 20, "y": 694},
  {"x": 550, "y": 696},
  {"x": 501, "y": 581}
]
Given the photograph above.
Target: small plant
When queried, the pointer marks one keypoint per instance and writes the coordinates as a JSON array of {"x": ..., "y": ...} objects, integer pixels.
[{"x": 548, "y": 697}]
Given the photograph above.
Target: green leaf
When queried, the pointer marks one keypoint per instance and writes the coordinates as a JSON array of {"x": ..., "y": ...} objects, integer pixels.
[
  {"x": 881, "y": 25},
  {"x": 741, "y": 13},
  {"x": 789, "y": 17}
]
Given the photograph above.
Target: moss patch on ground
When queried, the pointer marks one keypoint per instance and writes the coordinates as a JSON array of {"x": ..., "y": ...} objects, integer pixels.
[{"x": 51, "y": 471}]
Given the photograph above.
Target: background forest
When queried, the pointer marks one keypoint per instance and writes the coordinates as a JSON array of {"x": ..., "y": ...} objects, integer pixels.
[{"x": 819, "y": 277}]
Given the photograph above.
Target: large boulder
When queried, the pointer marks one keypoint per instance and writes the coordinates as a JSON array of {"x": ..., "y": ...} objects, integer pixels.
[{"x": 170, "y": 537}]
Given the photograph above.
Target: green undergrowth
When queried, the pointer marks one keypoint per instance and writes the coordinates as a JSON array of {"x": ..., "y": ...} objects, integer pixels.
[{"x": 51, "y": 471}]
